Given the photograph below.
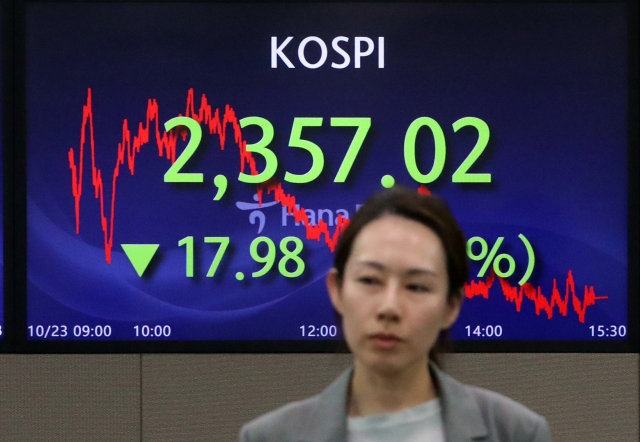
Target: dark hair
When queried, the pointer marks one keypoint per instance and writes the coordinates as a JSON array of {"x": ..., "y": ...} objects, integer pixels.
[{"x": 428, "y": 210}]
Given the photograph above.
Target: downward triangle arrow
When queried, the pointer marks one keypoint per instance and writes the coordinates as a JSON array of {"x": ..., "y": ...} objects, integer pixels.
[{"x": 140, "y": 255}]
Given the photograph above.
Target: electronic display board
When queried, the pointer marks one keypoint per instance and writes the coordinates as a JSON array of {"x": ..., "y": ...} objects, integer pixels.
[{"x": 190, "y": 166}]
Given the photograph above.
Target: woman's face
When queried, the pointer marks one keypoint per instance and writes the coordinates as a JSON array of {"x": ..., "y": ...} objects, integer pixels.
[{"x": 393, "y": 294}]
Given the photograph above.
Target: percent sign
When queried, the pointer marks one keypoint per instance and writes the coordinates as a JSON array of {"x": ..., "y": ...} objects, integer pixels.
[{"x": 496, "y": 260}]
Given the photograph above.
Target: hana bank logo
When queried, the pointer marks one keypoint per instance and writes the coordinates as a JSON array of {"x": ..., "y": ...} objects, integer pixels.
[{"x": 256, "y": 214}]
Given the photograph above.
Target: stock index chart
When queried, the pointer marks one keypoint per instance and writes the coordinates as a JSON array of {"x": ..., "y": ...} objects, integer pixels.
[{"x": 190, "y": 167}]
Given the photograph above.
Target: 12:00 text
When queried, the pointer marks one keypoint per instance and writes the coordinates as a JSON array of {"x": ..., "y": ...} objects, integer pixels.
[{"x": 324, "y": 331}]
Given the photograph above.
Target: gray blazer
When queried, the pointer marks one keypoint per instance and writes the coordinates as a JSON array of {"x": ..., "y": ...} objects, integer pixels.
[{"x": 469, "y": 414}]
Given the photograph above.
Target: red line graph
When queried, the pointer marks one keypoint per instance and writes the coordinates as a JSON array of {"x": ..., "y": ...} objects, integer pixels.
[
  {"x": 313, "y": 232},
  {"x": 130, "y": 146},
  {"x": 517, "y": 295},
  {"x": 166, "y": 144}
]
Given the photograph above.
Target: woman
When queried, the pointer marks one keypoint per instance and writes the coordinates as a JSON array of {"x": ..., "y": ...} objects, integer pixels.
[{"x": 398, "y": 278}]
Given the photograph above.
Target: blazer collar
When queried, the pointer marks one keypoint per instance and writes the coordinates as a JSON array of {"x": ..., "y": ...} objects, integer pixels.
[
  {"x": 328, "y": 420},
  {"x": 462, "y": 419},
  {"x": 460, "y": 410}
]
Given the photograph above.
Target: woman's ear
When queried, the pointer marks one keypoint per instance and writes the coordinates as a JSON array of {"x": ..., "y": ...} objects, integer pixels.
[
  {"x": 333, "y": 287},
  {"x": 453, "y": 309}
]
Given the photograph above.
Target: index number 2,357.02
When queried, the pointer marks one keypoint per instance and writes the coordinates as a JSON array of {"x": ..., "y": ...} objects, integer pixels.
[{"x": 362, "y": 125}]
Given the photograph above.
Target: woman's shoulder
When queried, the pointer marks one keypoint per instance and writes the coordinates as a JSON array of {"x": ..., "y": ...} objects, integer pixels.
[
  {"x": 508, "y": 415},
  {"x": 318, "y": 417},
  {"x": 281, "y": 424},
  {"x": 481, "y": 412}
]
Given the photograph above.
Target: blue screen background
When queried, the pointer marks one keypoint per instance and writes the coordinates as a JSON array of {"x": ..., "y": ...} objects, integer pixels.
[{"x": 550, "y": 81}]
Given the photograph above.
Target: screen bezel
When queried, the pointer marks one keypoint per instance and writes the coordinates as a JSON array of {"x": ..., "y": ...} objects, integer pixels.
[{"x": 8, "y": 243}]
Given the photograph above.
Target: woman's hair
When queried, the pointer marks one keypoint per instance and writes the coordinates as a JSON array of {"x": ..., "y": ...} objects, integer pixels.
[{"x": 429, "y": 211}]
